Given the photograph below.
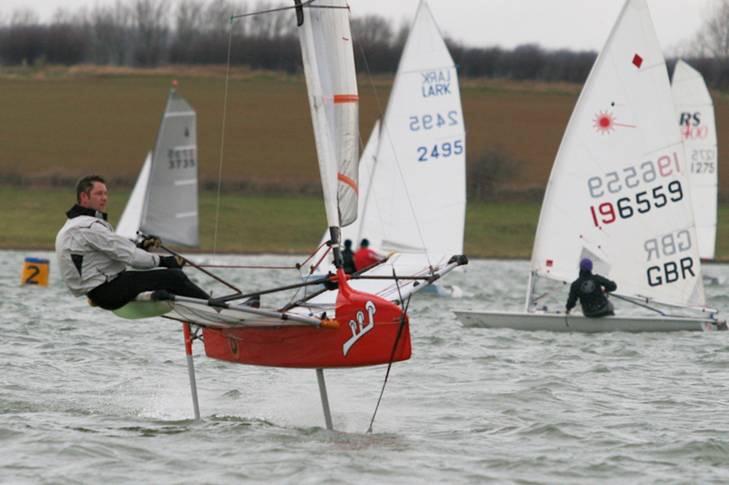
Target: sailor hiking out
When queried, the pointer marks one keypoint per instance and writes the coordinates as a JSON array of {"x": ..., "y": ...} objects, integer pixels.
[
  {"x": 93, "y": 259},
  {"x": 591, "y": 290}
]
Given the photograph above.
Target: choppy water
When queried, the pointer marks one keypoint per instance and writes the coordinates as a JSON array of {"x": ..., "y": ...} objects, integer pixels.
[{"x": 86, "y": 397}]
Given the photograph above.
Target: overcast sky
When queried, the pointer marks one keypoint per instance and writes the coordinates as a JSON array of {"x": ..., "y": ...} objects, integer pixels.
[{"x": 575, "y": 24}]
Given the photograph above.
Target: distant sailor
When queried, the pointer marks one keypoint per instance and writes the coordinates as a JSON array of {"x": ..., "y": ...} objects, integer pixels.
[
  {"x": 93, "y": 259},
  {"x": 348, "y": 257},
  {"x": 365, "y": 257},
  {"x": 591, "y": 290}
]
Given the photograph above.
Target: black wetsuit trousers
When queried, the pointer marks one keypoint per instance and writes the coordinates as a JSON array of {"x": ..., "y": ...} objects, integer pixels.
[{"x": 125, "y": 287}]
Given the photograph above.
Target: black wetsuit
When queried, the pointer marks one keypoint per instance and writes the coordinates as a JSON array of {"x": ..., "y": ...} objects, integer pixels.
[
  {"x": 590, "y": 289},
  {"x": 348, "y": 261},
  {"x": 128, "y": 284}
]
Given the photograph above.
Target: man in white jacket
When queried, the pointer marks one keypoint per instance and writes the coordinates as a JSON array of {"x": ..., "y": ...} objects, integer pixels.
[{"x": 93, "y": 259}]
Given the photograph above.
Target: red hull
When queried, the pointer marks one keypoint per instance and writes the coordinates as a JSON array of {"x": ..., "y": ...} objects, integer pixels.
[{"x": 368, "y": 329}]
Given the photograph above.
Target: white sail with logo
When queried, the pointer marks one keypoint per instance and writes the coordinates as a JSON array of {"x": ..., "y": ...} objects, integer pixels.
[
  {"x": 169, "y": 207},
  {"x": 412, "y": 173},
  {"x": 619, "y": 191},
  {"x": 695, "y": 111},
  {"x": 417, "y": 197},
  {"x": 618, "y": 194},
  {"x": 326, "y": 46}
]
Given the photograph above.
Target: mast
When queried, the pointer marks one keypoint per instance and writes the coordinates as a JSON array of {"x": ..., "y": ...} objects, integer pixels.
[{"x": 326, "y": 48}]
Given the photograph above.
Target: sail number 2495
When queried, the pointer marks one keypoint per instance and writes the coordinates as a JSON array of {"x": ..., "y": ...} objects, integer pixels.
[{"x": 440, "y": 150}]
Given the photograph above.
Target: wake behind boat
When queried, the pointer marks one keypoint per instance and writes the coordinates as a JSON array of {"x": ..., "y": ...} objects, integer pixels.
[{"x": 619, "y": 195}]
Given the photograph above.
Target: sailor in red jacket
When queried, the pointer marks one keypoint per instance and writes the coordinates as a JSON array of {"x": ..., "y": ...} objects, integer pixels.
[{"x": 365, "y": 257}]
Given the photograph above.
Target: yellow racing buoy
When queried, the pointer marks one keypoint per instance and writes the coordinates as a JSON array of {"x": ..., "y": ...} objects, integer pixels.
[{"x": 35, "y": 272}]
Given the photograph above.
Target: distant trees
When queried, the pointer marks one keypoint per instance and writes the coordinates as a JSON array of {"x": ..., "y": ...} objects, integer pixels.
[
  {"x": 713, "y": 38},
  {"x": 148, "y": 33},
  {"x": 711, "y": 47},
  {"x": 490, "y": 173}
]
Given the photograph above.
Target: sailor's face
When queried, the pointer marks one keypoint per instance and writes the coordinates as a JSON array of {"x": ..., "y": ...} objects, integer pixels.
[{"x": 96, "y": 198}]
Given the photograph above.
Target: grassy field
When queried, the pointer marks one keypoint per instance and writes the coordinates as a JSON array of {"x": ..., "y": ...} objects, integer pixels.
[
  {"x": 65, "y": 122},
  {"x": 257, "y": 224},
  {"x": 61, "y": 123},
  {"x": 279, "y": 224}
]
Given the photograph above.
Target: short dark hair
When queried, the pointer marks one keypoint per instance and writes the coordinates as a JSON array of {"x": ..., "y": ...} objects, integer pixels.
[{"x": 85, "y": 185}]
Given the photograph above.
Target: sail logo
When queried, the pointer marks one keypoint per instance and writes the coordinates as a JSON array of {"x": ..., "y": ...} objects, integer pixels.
[
  {"x": 691, "y": 126},
  {"x": 358, "y": 326},
  {"x": 605, "y": 122},
  {"x": 436, "y": 83}
]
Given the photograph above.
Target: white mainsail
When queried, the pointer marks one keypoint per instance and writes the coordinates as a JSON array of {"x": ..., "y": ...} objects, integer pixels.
[
  {"x": 131, "y": 217},
  {"x": 695, "y": 111},
  {"x": 618, "y": 192},
  {"x": 412, "y": 173},
  {"x": 326, "y": 47},
  {"x": 417, "y": 196},
  {"x": 355, "y": 231},
  {"x": 168, "y": 206}
]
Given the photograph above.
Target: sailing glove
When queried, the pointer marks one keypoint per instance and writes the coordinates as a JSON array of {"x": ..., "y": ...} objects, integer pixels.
[
  {"x": 149, "y": 242},
  {"x": 175, "y": 262}
]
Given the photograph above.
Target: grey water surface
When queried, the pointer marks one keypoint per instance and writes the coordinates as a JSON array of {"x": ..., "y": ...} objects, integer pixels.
[{"x": 86, "y": 397}]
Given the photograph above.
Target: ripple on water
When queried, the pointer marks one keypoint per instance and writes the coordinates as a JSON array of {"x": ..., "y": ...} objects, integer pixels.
[{"x": 84, "y": 394}]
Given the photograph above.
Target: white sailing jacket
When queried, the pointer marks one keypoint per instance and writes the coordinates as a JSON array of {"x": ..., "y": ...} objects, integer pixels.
[{"x": 90, "y": 253}]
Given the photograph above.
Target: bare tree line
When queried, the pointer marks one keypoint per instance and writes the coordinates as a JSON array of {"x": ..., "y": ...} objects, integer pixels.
[{"x": 148, "y": 33}]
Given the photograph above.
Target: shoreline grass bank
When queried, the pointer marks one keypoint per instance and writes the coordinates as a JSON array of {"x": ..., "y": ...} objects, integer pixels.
[
  {"x": 284, "y": 224},
  {"x": 278, "y": 224}
]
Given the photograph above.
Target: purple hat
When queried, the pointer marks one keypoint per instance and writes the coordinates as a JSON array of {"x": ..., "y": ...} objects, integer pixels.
[{"x": 585, "y": 264}]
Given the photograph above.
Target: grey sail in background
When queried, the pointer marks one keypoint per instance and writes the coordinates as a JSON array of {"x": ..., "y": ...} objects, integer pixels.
[{"x": 170, "y": 209}]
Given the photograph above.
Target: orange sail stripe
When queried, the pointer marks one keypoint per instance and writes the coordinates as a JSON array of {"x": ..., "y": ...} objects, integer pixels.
[
  {"x": 346, "y": 180},
  {"x": 345, "y": 98}
]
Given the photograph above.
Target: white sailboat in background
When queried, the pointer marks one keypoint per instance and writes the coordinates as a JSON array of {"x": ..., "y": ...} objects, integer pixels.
[
  {"x": 163, "y": 202},
  {"x": 695, "y": 111},
  {"x": 619, "y": 194},
  {"x": 412, "y": 175}
]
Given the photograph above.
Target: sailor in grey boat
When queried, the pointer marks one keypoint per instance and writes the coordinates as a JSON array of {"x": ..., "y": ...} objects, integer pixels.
[
  {"x": 94, "y": 260},
  {"x": 591, "y": 290}
]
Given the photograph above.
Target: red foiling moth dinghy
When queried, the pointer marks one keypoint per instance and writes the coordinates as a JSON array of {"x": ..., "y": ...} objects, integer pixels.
[{"x": 354, "y": 321}]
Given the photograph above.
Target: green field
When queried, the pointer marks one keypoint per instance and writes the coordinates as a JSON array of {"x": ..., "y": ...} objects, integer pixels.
[
  {"x": 257, "y": 224},
  {"x": 62, "y": 123},
  {"x": 279, "y": 224}
]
